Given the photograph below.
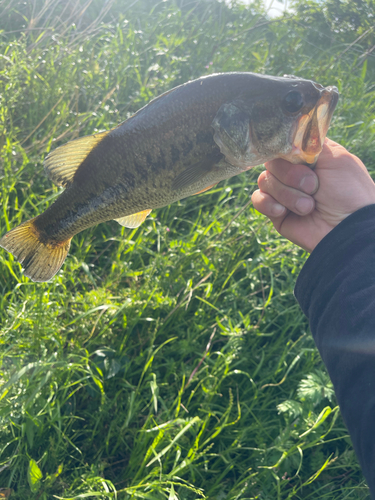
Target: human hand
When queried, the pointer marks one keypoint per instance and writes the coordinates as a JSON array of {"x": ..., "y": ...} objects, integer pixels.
[{"x": 304, "y": 205}]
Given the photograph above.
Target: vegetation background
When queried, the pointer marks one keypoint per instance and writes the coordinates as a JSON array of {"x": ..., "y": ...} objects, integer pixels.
[{"x": 172, "y": 361}]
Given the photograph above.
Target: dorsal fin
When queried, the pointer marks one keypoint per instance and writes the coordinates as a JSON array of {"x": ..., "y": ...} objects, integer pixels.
[
  {"x": 63, "y": 162},
  {"x": 134, "y": 220}
]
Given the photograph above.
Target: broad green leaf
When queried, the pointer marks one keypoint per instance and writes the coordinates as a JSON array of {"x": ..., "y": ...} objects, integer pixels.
[{"x": 34, "y": 475}]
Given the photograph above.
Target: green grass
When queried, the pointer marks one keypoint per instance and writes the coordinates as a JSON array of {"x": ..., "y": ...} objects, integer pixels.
[{"x": 171, "y": 361}]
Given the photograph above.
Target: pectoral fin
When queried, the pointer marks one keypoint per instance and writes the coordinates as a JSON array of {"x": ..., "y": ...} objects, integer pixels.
[
  {"x": 196, "y": 172},
  {"x": 206, "y": 189},
  {"x": 134, "y": 220}
]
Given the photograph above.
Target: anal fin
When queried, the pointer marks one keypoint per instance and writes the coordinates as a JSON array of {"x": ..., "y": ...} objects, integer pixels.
[{"x": 134, "y": 220}]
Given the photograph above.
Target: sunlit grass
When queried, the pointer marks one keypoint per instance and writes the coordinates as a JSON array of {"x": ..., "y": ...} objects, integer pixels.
[{"x": 171, "y": 361}]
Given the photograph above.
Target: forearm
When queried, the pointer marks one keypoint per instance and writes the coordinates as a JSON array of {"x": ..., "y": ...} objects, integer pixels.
[{"x": 336, "y": 290}]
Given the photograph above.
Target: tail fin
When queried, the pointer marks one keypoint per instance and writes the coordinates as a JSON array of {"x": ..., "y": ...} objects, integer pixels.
[{"x": 40, "y": 260}]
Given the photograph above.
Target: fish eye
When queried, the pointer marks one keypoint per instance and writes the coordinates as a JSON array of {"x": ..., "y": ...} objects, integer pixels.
[{"x": 293, "y": 101}]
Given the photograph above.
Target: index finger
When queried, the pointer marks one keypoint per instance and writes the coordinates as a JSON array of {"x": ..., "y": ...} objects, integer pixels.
[
  {"x": 298, "y": 177},
  {"x": 331, "y": 143}
]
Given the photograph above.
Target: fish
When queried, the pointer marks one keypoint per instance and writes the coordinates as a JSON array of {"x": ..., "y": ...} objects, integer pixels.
[{"x": 180, "y": 144}]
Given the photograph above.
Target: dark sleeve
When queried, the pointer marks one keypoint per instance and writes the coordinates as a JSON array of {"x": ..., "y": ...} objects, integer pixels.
[{"x": 336, "y": 291}]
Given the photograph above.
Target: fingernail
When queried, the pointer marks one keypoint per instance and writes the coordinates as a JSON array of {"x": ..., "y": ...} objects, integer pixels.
[
  {"x": 309, "y": 184},
  {"x": 277, "y": 210},
  {"x": 304, "y": 205}
]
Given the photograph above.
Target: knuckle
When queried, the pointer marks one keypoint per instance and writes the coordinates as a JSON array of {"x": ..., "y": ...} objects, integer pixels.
[
  {"x": 254, "y": 196},
  {"x": 344, "y": 153},
  {"x": 263, "y": 179}
]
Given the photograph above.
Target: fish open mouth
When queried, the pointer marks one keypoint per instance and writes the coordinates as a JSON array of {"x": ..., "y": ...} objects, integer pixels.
[{"x": 312, "y": 128}]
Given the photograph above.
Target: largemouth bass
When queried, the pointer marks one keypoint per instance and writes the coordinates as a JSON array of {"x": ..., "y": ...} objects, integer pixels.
[{"x": 180, "y": 144}]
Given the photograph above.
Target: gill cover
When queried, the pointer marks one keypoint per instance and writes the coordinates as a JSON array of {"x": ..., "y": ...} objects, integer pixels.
[{"x": 232, "y": 133}]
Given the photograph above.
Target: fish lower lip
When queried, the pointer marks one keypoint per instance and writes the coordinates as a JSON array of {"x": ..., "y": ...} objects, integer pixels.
[
  {"x": 306, "y": 159},
  {"x": 301, "y": 157},
  {"x": 312, "y": 128}
]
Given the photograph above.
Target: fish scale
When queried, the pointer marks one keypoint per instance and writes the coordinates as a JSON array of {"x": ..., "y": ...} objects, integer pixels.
[{"x": 180, "y": 144}]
